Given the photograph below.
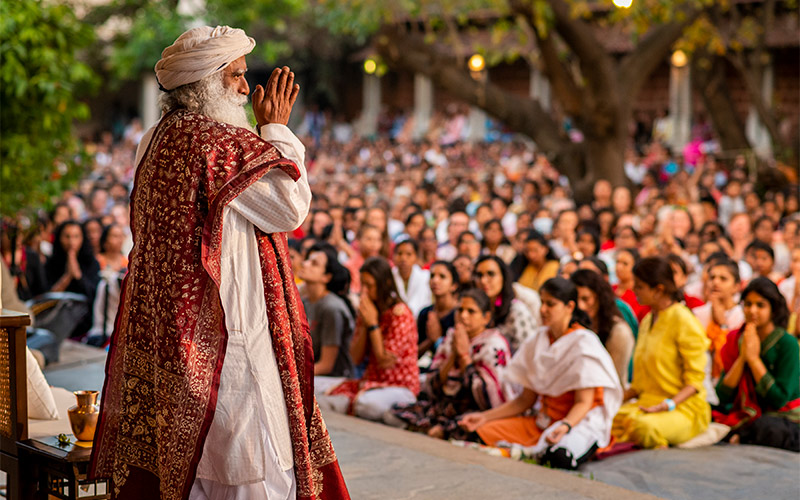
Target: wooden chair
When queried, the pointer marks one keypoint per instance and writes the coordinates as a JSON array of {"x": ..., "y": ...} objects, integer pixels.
[{"x": 13, "y": 396}]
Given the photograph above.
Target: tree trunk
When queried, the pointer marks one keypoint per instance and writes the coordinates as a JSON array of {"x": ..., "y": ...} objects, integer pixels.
[{"x": 708, "y": 78}]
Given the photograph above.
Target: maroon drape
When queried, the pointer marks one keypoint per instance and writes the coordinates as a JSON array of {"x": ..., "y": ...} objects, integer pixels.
[{"x": 166, "y": 355}]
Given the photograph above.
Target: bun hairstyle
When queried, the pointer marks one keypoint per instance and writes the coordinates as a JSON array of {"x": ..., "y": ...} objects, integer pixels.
[
  {"x": 656, "y": 271},
  {"x": 769, "y": 290},
  {"x": 565, "y": 291}
]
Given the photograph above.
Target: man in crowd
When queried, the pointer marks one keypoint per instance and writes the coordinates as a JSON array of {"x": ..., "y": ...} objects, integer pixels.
[{"x": 209, "y": 393}]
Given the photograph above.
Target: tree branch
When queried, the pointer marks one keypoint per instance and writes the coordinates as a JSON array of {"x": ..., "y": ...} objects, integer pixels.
[
  {"x": 636, "y": 67},
  {"x": 561, "y": 80},
  {"x": 409, "y": 52}
]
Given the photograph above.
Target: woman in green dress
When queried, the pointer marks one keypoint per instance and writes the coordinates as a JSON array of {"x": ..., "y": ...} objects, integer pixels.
[{"x": 759, "y": 389}]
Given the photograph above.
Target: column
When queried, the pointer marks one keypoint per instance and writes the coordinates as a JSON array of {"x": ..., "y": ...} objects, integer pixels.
[
  {"x": 423, "y": 105},
  {"x": 476, "y": 123},
  {"x": 371, "y": 106},
  {"x": 756, "y": 132},
  {"x": 540, "y": 89},
  {"x": 149, "y": 110},
  {"x": 680, "y": 106}
]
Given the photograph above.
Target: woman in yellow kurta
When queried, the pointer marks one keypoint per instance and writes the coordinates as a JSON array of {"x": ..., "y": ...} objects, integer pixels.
[{"x": 668, "y": 366}]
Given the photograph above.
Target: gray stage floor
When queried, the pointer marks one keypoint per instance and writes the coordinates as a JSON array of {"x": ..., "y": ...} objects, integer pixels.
[{"x": 380, "y": 462}]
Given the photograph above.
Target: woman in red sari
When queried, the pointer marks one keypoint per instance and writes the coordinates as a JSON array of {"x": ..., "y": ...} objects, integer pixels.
[
  {"x": 386, "y": 336},
  {"x": 759, "y": 388}
]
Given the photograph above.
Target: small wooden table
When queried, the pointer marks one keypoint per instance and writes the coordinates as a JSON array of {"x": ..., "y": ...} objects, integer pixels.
[{"x": 60, "y": 470}]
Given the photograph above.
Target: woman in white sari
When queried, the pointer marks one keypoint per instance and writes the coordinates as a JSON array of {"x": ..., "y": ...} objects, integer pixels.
[{"x": 566, "y": 370}]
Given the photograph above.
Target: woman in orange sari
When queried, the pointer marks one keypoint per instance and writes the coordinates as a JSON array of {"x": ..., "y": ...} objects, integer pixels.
[{"x": 566, "y": 368}]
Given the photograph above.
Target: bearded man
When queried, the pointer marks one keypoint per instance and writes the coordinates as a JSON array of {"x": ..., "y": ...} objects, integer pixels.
[{"x": 209, "y": 381}]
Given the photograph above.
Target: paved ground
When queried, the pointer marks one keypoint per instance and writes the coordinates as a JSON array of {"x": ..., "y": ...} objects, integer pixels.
[{"x": 383, "y": 463}]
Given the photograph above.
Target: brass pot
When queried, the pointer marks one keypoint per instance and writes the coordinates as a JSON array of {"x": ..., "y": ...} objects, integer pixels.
[{"x": 83, "y": 416}]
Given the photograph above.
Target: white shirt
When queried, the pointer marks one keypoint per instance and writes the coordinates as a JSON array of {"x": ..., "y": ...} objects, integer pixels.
[
  {"x": 418, "y": 294},
  {"x": 249, "y": 439}
]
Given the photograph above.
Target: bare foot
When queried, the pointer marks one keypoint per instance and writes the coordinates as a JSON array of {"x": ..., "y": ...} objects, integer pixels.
[
  {"x": 735, "y": 439},
  {"x": 436, "y": 432}
]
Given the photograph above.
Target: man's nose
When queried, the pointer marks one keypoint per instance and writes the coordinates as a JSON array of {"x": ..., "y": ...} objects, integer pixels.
[{"x": 244, "y": 88}]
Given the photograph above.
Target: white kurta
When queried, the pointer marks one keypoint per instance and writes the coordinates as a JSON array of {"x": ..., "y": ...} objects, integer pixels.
[
  {"x": 249, "y": 442},
  {"x": 418, "y": 294}
]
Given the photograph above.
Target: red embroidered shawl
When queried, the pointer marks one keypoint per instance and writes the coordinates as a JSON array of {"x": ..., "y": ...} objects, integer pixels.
[{"x": 163, "y": 369}]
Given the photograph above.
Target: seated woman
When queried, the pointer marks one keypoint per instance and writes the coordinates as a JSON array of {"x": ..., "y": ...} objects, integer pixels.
[
  {"x": 386, "y": 336},
  {"x": 668, "y": 366},
  {"x": 494, "y": 241},
  {"x": 511, "y": 315},
  {"x": 759, "y": 389},
  {"x": 597, "y": 299},
  {"x": 537, "y": 263},
  {"x": 330, "y": 315},
  {"x": 410, "y": 279},
  {"x": 626, "y": 259},
  {"x": 73, "y": 268},
  {"x": 565, "y": 367},
  {"x": 434, "y": 320},
  {"x": 465, "y": 374},
  {"x": 113, "y": 267},
  {"x": 719, "y": 316}
]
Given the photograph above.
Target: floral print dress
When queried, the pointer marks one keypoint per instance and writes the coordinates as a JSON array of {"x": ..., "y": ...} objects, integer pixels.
[{"x": 479, "y": 387}]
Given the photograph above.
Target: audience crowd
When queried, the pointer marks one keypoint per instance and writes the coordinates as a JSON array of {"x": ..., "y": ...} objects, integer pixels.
[{"x": 457, "y": 289}]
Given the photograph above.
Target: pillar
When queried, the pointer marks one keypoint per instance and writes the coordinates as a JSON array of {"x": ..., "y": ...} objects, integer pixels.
[
  {"x": 423, "y": 105},
  {"x": 680, "y": 106},
  {"x": 148, "y": 107},
  {"x": 757, "y": 132},
  {"x": 540, "y": 89},
  {"x": 371, "y": 106}
]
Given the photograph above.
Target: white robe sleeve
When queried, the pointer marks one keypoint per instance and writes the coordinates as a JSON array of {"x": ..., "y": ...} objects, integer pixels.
[{"x": 276, "y": 203}]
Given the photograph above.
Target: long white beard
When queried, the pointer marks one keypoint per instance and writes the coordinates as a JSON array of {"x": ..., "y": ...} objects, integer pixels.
[{"x": 225, "y": 105}]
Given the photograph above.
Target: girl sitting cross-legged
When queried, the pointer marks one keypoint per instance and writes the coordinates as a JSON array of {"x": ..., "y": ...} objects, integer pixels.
[
  {"x": 464, "y": 376},
  {"x": 566, "y": 370},
  {"x": 759, "y": 393}
]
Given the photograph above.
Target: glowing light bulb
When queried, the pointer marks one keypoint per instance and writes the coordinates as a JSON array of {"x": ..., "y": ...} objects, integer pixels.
[
  {"x": 623, "y": 4},
  {"x": 476, "y": 63},
  {"x": 370, "y": 66},
  {"x": 679, "y": 59}
]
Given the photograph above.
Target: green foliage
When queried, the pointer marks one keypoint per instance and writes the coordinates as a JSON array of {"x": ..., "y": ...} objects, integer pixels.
[
  {"x": 40, "y": 79},
  {"x": 155, "y": 25},
  {"x": 152, "y": 28}
]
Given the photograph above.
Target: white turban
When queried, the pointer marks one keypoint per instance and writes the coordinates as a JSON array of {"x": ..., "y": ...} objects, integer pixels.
[{"x": 201, "y": 52}]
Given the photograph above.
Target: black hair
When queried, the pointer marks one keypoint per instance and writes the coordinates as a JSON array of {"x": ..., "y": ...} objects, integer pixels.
[
  {"x": 501, "y": 310},
  {"x": 760, "y": 245},
  {"x": 678, "y": 260},
  {"x": 57, "y": 263},
  {"x": 595, "y": 238},
  {"x": 451, "y": 269},
  {"x": 379, "y": 268},
  {"x": 497, "y": 222},
  {"x": 412, "y": 215},
  {"x": 408, "y": 241},
  {"x": 607, "y": 310},
  {"x": 632, "y": 229},
  {"x": 656, "y": 271},
  {"x": 534, "y": 235},
  {"x": 479, "y": 296},
  {"x": 339, "y": 283},
  {"x": 633, "y": 253},
  {"x": 463, "y": 235},
  {"x": 104, "y": 235},
  {"x": 598, "y": 263},
  {"x": 565, "y": 291},
  {"x": 727, "y": 263},
  {"x": 769, "y": 290}
]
